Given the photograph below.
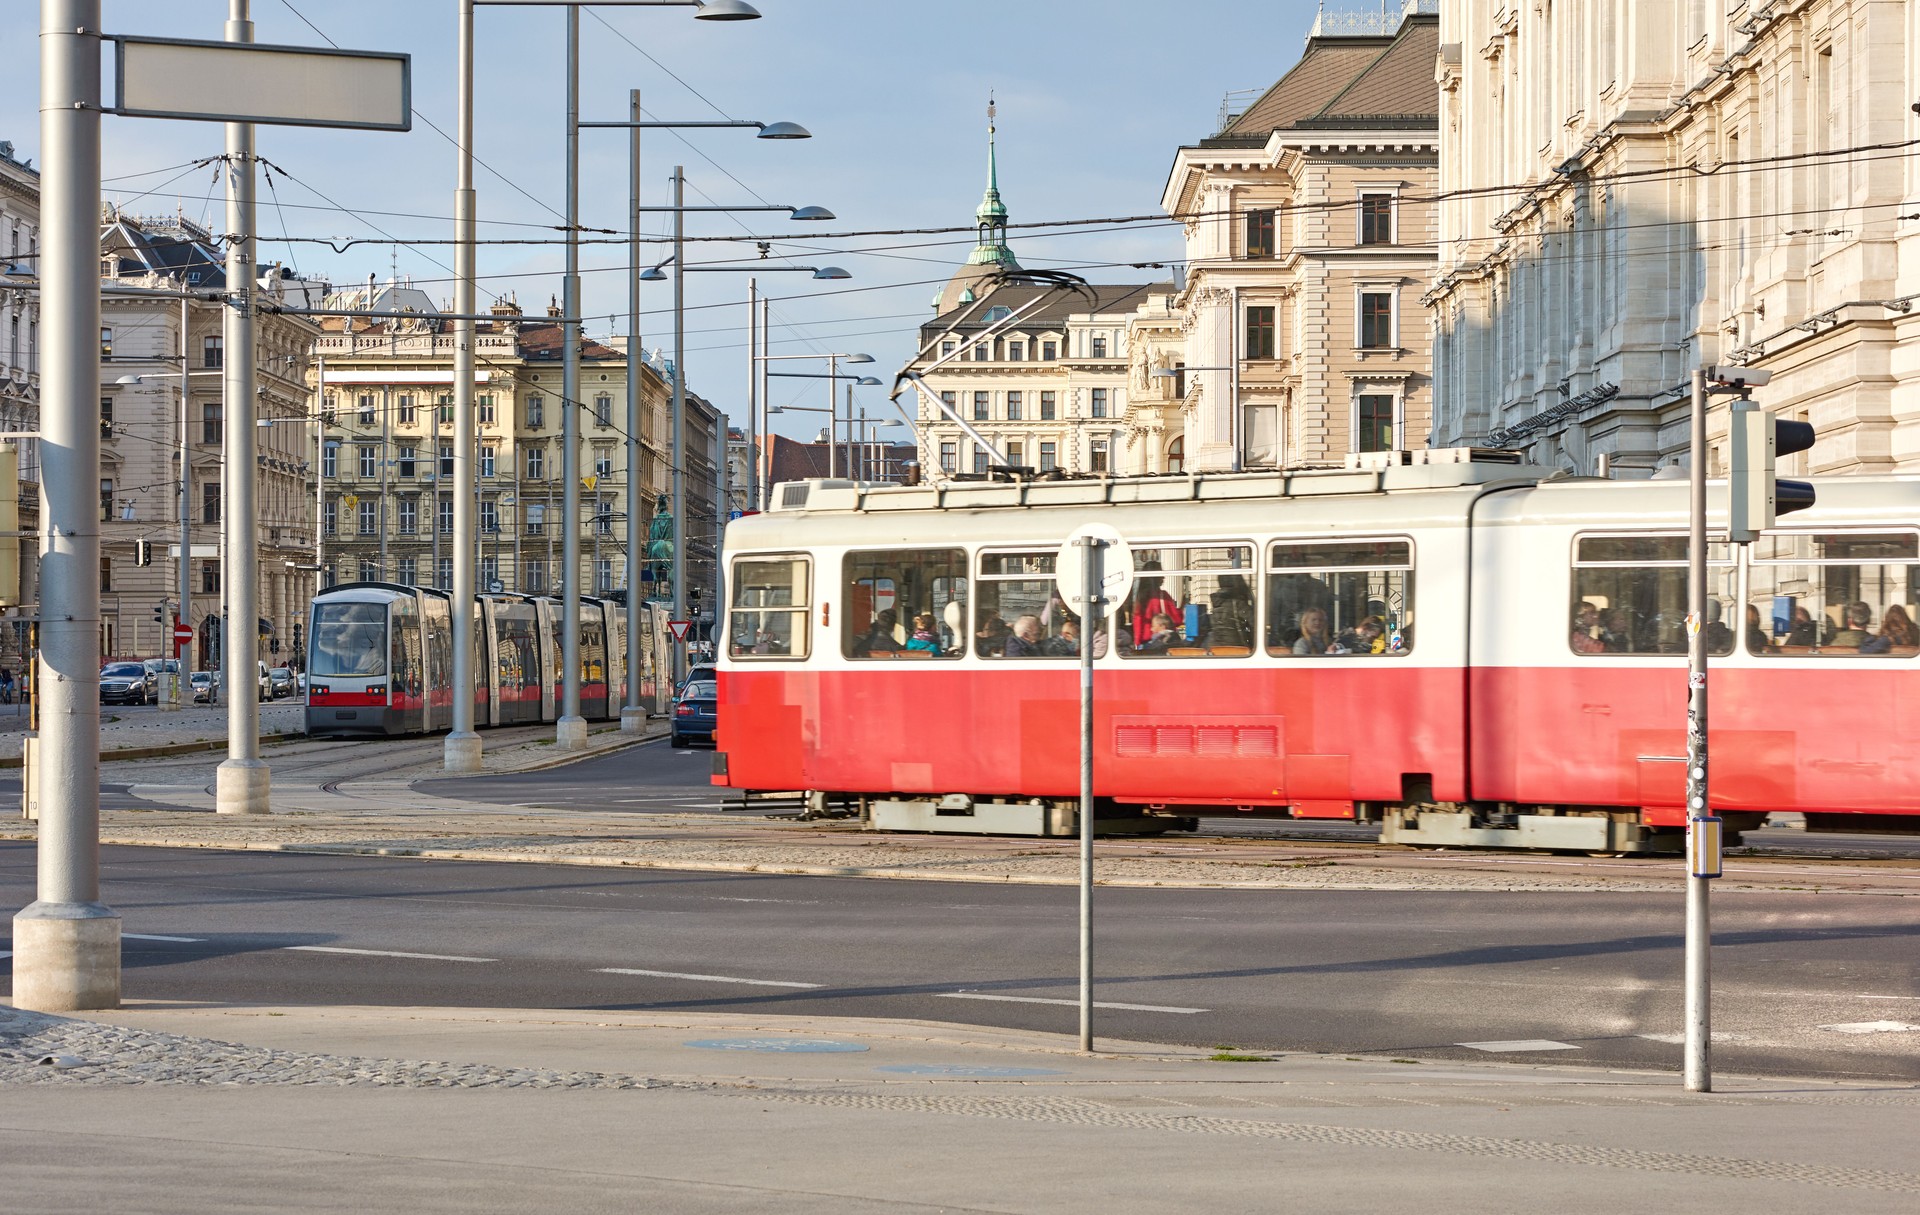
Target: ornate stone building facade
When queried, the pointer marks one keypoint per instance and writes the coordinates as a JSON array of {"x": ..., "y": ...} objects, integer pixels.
[
  {"x": 1310, "y": 237},
  {"x": 1636, "y": 189}
]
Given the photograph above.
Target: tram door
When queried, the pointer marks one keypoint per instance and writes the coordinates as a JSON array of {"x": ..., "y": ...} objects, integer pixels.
[{"x": 593, "y": 660}]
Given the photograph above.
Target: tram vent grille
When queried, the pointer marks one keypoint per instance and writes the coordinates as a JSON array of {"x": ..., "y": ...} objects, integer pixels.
[
  {"x": 1210, "y": 741},
  {"x": 793, "y": 495}
]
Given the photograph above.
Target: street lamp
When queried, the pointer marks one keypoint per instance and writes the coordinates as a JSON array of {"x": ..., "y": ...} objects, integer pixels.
[{"x": 833, "y": 368}]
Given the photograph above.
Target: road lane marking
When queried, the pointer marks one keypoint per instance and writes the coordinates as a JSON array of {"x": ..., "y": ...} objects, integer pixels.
[
  {"x": 386, "y": 953},
  {"x": 673, "y": 974},
  {"x": 154, "y": 936},
  {"x": 980, "y": 995},
  {"x": 1518, "y": 1044},
  {"x": 1871, "y": 1027}
]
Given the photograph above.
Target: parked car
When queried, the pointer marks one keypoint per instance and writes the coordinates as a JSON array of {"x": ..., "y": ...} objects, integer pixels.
[
  {"x": 281, "y": 682},
  {"x": 127, "y": 683},
  {"x": 266, "y": 683},
  {"x": 699, "y": 673},
  {"x": 696, "y": 713},
  {"x": 203, "y": 684}
]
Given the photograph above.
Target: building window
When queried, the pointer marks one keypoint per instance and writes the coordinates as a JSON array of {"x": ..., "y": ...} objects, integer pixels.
[
  {"x": 331, "y": 517},
  {"x": 1099, "y": 408},
  {"x": 980, "y": 407},
  {"x": 1177, "y": 455},
  {"x": 949, "y": 457},
  {"x": 536, "y": 516},
  {"x": 212, "y": 421},
  {"x": 1260, "y": 233},
  {"x": 603, "y": 575},
  {"x": 106, "y": 574},
  {"x": 369, "y": 572},
  {"x": 210, "y": 502},
  {"x": 106, "y": 418},
  {"x": 1376, "y": 320},
  {"x": 979, "y": 458},
  {"x": 946, "y": 349},
  {"x": 1049, "y": 351},
  {"x": 444, "y": 510},
  {"x": 536, "y": 413},
  {"x": 534, "y": 577},
  {"x": 1097, "y": 456},
  {"x": 369, "y": 517},
  {"x": 106, "y": 499},
  {"x": 213, "y": 352},
  {"x": 408, "y": 414},
  {"x": 1016, "y": 455},
  {"x": 947, "y": 399},
  {"x": 1013, "y": 407},
  {"x": 329, "y": 460},
  {"x": 366, "y": 409},
  {"x": 1049, "y": 457},
  {"x": 603, "y": 411},
  {"x": 409, "y": 570},
  {"x": 1376, "y": 219},
  {"x": 1260, "y": 337},
  {"x": 603, "y": 461},
  {"x": 407, "y": 463},
  {"x": 483, "y": 404},
  {"x": 369, "y": 462},
  {"x": 106, "y": 341},
  {"x": 409, "y": 517},
  {"x": 445, "y": 579},
  {"x": 603, "y": 518},
  {"x": 446, "y": 459},
  {"x": 329, "y": 409},
  {"x": 1017, "y": 352},
  {"x": 489, "y": 460},
  {"x": 209, "y": 577},
  {"x": 1099, "y": 348},
  {"x": 444, "y": 403},
  {"x": 1373, "y": 422},
  {"x": 1049, "y": 406},
  {"x": 489, "y": 572},
  {"x": 489, "y": 516},
  {"x": 982, "y": 351}
]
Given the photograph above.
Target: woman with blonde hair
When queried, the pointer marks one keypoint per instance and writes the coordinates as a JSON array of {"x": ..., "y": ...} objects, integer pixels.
[{"x": 1313, "y": 632}]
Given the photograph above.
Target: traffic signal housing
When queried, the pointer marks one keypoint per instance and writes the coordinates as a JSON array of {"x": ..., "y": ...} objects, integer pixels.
[
  {"x": 143, "y": 552},
  {"x": 1755, "y": 497}
]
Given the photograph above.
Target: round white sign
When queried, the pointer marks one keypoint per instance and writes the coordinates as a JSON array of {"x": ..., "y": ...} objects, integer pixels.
[{"x": 1116, "y": 567}]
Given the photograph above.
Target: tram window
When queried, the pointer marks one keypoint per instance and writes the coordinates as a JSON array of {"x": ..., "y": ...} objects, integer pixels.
[
  {"x": 1630, "y": 595},
  {"x": 593, "y": 654},
  {"x": 1834, "y": 595},
  {"x": 1019, "y": 614},
  {"x": 1189, "y": 602},
  {"x": 771, "y": 597},
  {"x": 349, "y": 639},
  {"x": 905, "y": 604},
  {"x": 1340, "y": 598}
]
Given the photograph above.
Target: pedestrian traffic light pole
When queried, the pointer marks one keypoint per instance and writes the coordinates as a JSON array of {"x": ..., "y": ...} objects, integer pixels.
[{"x": 463, "y": 751}]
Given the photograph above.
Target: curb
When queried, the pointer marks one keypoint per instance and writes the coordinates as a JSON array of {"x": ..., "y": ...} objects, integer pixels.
[
  {"x": 556, "y": 761},
  {"x": 162, "y": 750}
]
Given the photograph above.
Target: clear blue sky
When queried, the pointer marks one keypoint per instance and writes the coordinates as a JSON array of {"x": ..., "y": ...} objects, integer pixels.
[{"x": 1094, "y": 97}]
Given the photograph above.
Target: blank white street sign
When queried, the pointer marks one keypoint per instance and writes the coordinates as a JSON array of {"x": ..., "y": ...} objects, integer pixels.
[
  {"x": 1070, "y": 568},
  {"x": 300, "y": 86}
]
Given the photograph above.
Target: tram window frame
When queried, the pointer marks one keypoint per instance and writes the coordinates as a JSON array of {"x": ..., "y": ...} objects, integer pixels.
[
  {"x": 1285, "y": 603},
  {"x": 993, "y": 572},
  {"x": 1196, "y": 613},
  {"x": 857, "y": 623},
  {"x": 1659, "y": 557},
  {"x": 1813, "y": 551},
  {"x": 744, "y": 613}
]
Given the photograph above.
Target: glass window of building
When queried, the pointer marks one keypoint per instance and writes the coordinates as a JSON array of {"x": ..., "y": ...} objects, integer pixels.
[
  {"x": 1099, "y": 403},
  {"x": 1376, "y": 219},
  {"x": 1260, "y": 335},
  {"x": 1049, "y": 406},
  {"x": 980, "y": 407},
  {"x": 1049, "y": 458},
  {"x": 1260, "y": 233},
  {"x": 406, "y": 413},
  {"x": 408, "y": 509},
  {"x": 1373, "y": 422},
  {"x": 1376, "y": 320},
  {"x": 1013, "y": 407}
]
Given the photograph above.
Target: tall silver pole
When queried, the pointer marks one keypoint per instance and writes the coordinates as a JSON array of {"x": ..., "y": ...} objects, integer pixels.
[
  {"x": 386, "y": 450},
  {"x": 319, "y": 474},
  {"x": 753, "y": 394},
  {"x": 765, "y": 474},
  {"x": 183, "y": 686},
  {"x": 1093, "y": 612},
  {"x": 241, "y": 783},
  {"x": 833, "y": 413},
  {"x": 66, "y": 943},
  {"x": 570, "y": 733},
  {"x": 1699, "y": 1075},
  {"x": 633, "y": 715},
  {"x": 463, "y": 749},
  {"x": 678, "y": 455}
]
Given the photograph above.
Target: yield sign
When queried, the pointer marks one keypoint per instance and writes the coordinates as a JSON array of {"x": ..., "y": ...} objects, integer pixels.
[{"x": 679, "y": 628}]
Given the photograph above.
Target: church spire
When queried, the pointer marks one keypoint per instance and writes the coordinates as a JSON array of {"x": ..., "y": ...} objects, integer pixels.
[{"x": 991, "y": 217}]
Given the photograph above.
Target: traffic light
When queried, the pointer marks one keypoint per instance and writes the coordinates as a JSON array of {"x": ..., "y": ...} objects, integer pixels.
[
  {"x": 159, "y": 613},
  {"x": 1755, "y": 497},
  {"x": 143, "y": 552}
]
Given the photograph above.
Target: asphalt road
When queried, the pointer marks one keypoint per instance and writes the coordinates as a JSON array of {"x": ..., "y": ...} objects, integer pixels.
[
  {"x": 649, "y": 778},
  {"x": 1401, "y": 974}
]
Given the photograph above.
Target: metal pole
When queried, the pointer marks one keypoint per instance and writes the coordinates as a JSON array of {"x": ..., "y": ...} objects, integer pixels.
[
  {"x": 242, "y": 781},
  {"x": 570, "y": 732},
  {"x": 833, "y": 413},
  {"x": 182, "y": 686},
  {"x": 386, "y": 450},
  {"x": 1699, "y": 1075},
  {"x": 319, "y": 474},
  {"x": 1093, "y": 611},
  {"x": 678, "y": 456},
  {"x": 66, "y": 943},
  {"x": 633, "y": 715},
  {"x": 765, "y": 473},
  {"x": 463, "y": 748},
  {"x": 753, "y": 399}
]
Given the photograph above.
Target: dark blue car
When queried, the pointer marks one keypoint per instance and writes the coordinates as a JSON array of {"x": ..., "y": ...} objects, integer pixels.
[{"x": 696, "y": 713}]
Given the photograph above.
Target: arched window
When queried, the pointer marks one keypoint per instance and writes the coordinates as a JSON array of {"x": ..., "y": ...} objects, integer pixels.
[{"x": 1177, "y": 455}]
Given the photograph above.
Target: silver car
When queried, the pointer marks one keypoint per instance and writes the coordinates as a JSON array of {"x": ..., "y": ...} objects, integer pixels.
[{"x": 281, "y": 683}]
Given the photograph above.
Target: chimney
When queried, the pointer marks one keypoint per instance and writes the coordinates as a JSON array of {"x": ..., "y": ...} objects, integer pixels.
[{"x": 553, "y": 306}]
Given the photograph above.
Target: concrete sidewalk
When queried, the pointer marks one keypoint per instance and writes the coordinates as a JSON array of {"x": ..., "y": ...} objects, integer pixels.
[{"x": 195, "y": 1109}]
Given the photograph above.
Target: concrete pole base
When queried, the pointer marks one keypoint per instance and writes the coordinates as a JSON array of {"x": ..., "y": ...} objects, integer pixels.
[
  {"x": 242, "y": 786},
  {"x": 66, "y": 957},
  {"x": 463, "y": 752},
  {"x": 633, "y": 721},
  {"x": 570, "y": 734}
]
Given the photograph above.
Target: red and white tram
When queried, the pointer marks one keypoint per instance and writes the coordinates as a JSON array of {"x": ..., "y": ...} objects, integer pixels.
[
  {"x": 380, "y": 659},
  {"x": 1469, "y": 653}
]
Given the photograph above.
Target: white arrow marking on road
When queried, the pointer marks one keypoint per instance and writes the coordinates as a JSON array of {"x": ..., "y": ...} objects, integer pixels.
[
  {"x": 671, "y": 974},
  {"x": 1519, "y": 1045},
  {"x": 978, "y": 995},
  {"x": 386, "y": 953},
  {"x": 154, "y": 936}
]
